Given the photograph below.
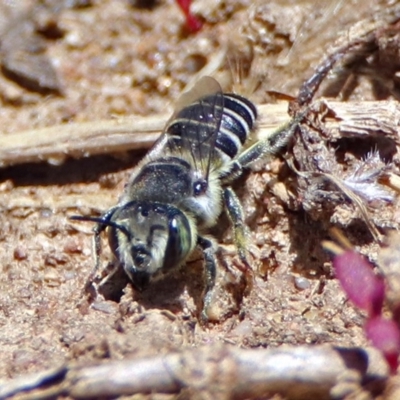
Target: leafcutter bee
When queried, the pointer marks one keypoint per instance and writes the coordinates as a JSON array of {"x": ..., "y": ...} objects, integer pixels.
[{"x": 180, "y": 188}]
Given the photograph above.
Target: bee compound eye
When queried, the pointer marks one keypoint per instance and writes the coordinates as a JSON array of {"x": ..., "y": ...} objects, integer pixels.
[
  {"x": 173, "y": 224},
  {"x": 179, "y": 240}
]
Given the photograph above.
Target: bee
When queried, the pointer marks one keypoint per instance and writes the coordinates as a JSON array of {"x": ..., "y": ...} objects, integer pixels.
[{"x": 180, "y": 188}]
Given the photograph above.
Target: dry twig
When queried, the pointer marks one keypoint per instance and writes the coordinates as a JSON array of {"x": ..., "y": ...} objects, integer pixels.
[
  {"x": 55, "y": 143},
  {"x": 218, "y": 372},
  {"x": 77, "y": 140}
]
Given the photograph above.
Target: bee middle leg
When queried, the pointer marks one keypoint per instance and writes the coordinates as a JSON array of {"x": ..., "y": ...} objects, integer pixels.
[
  {"x": 241, "y": 234},
  {"x": 240, "y": 230}
]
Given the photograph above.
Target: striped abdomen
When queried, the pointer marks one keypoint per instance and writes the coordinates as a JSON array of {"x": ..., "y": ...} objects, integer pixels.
[{"x": 218, "y": 121}]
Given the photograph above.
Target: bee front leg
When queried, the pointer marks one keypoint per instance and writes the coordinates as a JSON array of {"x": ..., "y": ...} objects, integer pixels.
[
  {"x": 96, "y": 246},
  {"x": 208, "y": 248},
  {"x": 89, "y": 288}
]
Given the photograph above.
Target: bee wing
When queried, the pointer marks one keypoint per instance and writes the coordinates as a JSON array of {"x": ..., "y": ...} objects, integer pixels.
[
  {"x": 205, "y": 86},
  {"x": 193, "y": 129}
]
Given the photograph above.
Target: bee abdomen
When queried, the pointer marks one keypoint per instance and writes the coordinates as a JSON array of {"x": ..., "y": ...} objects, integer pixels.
[
  {"x": 237, "y": 119},
  {"x": 239, "y": 115}
]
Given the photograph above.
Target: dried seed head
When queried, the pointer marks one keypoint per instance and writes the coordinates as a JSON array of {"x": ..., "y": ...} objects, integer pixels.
[{"x": 364, "y": 179}]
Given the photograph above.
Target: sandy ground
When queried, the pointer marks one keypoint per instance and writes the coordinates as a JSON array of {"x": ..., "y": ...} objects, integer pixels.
[{"x": 116, "y": 58}]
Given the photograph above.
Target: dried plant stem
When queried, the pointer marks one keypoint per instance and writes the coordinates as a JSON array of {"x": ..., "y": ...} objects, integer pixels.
[
  {"x": 217, "y": 371},
  {"x": 78, "y": 140},
  {"x": 96, "y": 202}
]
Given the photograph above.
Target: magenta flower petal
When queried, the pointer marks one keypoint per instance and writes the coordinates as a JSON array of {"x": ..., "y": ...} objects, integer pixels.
[
  {"x": 384, "y": 334},
  {"x": 362, "y": 286}
]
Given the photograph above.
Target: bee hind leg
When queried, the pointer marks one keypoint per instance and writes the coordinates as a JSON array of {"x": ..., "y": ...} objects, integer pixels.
[{"x": 264, "y": 150}]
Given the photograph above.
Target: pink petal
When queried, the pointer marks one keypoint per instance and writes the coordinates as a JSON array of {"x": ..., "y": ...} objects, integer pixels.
[
  {"x": 384, "y": 334},
  {"x": 362, "y": 286}
]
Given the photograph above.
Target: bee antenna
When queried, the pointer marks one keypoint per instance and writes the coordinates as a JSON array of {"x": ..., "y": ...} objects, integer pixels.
[{"x": 102, "y": 221}]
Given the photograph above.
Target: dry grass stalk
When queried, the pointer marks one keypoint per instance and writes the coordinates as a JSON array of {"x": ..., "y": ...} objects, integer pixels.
[{"x": 77, "y": 140}]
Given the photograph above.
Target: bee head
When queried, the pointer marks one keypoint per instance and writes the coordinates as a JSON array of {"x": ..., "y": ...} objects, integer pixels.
[{"x": 149, "y": 239}]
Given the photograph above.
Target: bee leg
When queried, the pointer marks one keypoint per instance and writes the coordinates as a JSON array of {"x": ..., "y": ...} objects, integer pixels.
[
  {"x": 272, "y": 145},
  {"x": 236, "y": 216},
  {"x": 98, "y": 229},
  {"x": 241, "y": 232},
  {"x": 89, "y": 288},
  {"x": 210, "y": 273},
  {"x": 262, "y": 150}
]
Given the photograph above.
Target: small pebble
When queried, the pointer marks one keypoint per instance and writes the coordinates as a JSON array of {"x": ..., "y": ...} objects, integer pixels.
[
  {"x": 301, "y": 283},
  {"x": 20, "y": 254}
]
